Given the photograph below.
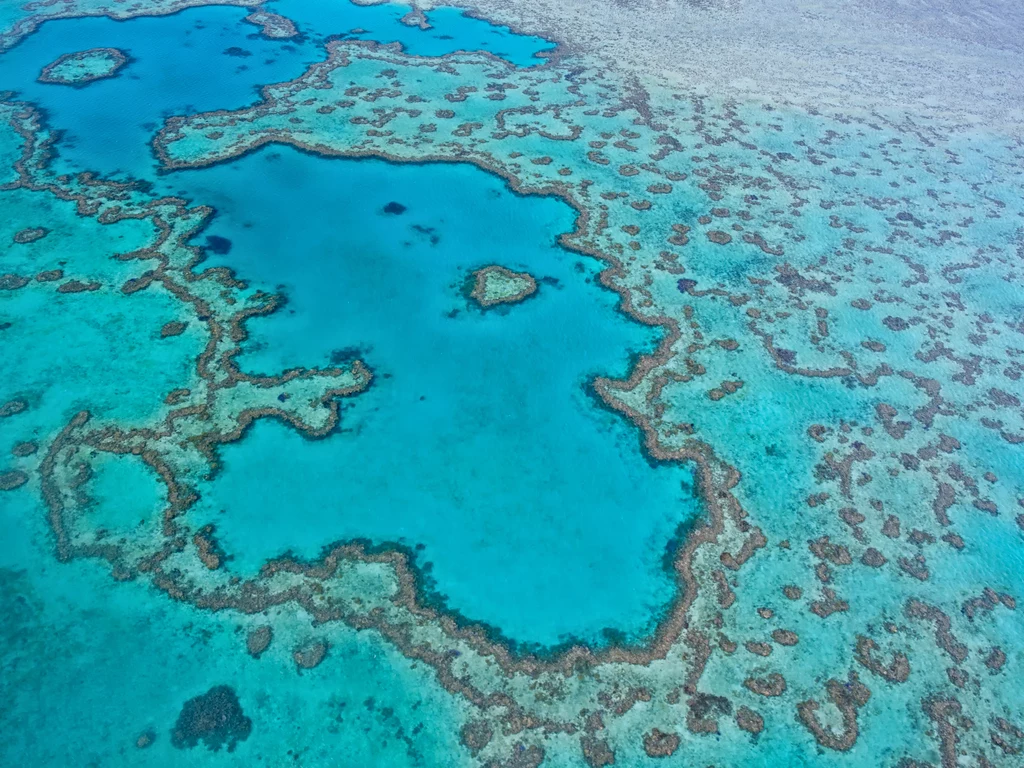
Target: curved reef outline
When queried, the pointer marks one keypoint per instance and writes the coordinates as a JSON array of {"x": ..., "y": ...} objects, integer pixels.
[
  {"x": 626, "y": 157},
  {"x": 788, "y": 313},
  {"x": 39, "y": 12},
  {"x": 197, "y": 422},
  {"x": 495, "y": 285},
  {"x": 80, "y": 68}
]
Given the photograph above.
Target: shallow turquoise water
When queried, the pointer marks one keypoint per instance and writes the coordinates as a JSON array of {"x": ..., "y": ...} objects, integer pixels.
[
  {"x": 546, "y": 522},
  {"x": 90, "y": 664},
  {"x": 99, "y": 351},
  {"x": 451, "y": 29},
  {"x": 208, "y": 58},
  {"x": 478, "y": 447},
  {"x": 180, "y": 65},
  {"x": 478, "y": 440}
]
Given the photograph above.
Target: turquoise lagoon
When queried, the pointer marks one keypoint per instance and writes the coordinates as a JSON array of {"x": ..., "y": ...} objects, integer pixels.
[
  {"x": 206, "y": 59},
  {"x": 88, "y": 665},
  {"x": 478, "y": 440},
  {"x": 479, "y": 446}
]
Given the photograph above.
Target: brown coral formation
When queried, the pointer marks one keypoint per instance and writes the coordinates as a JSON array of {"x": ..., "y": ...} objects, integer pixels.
[
  {"x": 896, "y": 671},
  {"x": 311, "y": 654},
  {"x": 749, "y": 720},
  {"x": 12, "y": 479},
  {"x": 173, "y": 328},
  {"x": 30, "y": 235},
  {"x": 13, "y": 407},
  {"x": 848, "y": 697},
  {"x": 770, "y": 685},
  {"x": 214, "y": 718},
  {"x": 273, "y": 26},
  {"x": 83, "y": 67},
  {"x": 258, "y": 640},
  {"x": 660, "y": 744},
  {"x": 596, "y": 752},
  {"x": 28, "y": 448},
  {"x": 494, "y": 285},
  {"x": 208, "y": 550},
  {"x": 476, "y": 735}
]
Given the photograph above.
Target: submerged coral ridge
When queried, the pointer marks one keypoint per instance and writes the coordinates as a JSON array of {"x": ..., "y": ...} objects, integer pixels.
[
  {"x": 494, "y": 285},
  {"x": 840, "y": 362},
  {"x": 83, "y": 67},
  {"x": 17, "y": 20},
  {"x": 821, "y": 264},
  {"x": 220, "y": 401}
]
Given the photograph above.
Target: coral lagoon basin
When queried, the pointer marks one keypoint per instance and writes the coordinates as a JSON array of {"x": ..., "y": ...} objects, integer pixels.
[{"x": 511, "y": 384}]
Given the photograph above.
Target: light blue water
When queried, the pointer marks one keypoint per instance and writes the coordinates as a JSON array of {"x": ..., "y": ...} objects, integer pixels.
[
  {"x": 89, "y": 664},
  {"x": 478, "y": 448},
  {"x": 478, "y": 440},
  {"x": 98, "y": 351},
  {"x": 208, "y": 58},
  {"x": 451, "y": 29}
]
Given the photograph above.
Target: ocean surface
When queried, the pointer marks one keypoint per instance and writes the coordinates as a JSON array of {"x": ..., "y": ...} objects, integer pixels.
[{"x": 738, "y": 483}]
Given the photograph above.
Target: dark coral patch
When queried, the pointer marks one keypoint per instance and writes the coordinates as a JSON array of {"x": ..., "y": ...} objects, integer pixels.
[
  {"x": 173, "y": 328},
  {"x": 660, "y": 744},
  {"x": 13, "y": 479},
  {"x": 310, "y": 655},
  {"x": 217, "y": 244},
  {"x": 394, "y": 208},
  {"x": 347, "y": 355},
  {"x": 214, "y": 718},
  {"x": 30, "y": 235},
  {"x": 11, "y": 282},
  {"x": 24, "y": 449},
  {"x": 258, "y": 640},
  {"x": 476, "y": 735},
  {"x": 208, "y": 550},
  {"x": 12, "y": 407},
  {"x": 77, "y": 286},
  {"x": 146, "y": 739},
  {"x": 749, "y": 720}
]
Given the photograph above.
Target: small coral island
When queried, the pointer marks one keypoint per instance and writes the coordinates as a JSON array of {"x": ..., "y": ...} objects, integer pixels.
[
  {"x": 273, "y": 26},
  {"x": 83, "y": 67},
  {"x": 494, "y": 285}
]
